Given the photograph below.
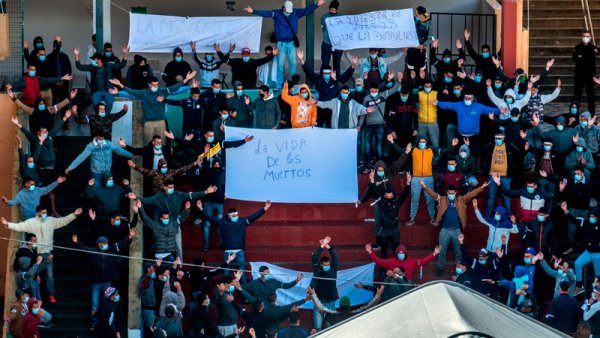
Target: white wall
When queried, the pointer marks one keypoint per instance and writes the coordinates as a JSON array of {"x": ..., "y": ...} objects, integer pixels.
[{"x": 72, "y": 19}]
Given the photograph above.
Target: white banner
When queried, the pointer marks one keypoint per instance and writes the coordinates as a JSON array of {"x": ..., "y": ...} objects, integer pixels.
[
  {"x": 345, "y": 283},
  {"x": 380, "y": 29},
  {"x": 304, "y": 165},
  {"x": 162, "y": 33}
]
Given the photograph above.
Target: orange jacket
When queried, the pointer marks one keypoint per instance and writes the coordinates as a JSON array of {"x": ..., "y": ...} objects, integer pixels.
[{"x": 304, "y": 114}]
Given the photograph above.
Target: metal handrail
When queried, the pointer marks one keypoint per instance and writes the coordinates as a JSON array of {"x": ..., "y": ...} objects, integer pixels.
[{"x": 587, "y": 18}]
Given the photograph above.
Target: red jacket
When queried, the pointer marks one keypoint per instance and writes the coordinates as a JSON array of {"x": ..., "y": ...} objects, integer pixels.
[
  {"x": 408, "y": 264},
  {"x": 30, "y": 322},
  {"x": 31, "y": 90}
]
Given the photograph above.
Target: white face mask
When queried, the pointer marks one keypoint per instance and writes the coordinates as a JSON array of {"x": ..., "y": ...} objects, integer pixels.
[{"x": 586, "y": 39}]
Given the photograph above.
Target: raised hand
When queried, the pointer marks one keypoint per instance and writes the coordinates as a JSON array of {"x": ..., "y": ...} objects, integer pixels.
[
  {"x": 435, "y": 44},
  {"x": 467, "y": 35},
  {"x": 248, "y": 9},
  {"x": 267, "y": 205},
  {"x": 459, "y": 44},
  {"x": 122, "y": 143},
  {"x": 169, "y": 134},
  {"x": 76, "y": 51},
  {"x": 78, "y": 211},
  {"x": 73, "y": 239},
  {"x": 368, "y": 248}
]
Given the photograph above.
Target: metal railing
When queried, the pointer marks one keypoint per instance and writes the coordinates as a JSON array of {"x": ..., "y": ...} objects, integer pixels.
[
  {"x": 447, "y": 27},
  {"x": 587, "y": 18}
]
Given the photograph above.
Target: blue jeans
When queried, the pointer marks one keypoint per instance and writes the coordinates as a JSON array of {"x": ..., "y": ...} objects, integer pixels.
[
  {"x": 446, "y": 237},
  {"x": 415, "y": 196},
  {"x": 370, "y": 131},
  {"x": 286, "y": 49},
  {"x": 432, "y": 132},
  {"x": 239, "y": 260},
  {"x": 213, "y": 209},
  {"x": 326, "y": 53},
  {"x": 584, "y": 259},
  {"x": 103, "y": 95},
  {"x": 493, "y": 190},
  {"x": 48, "y": 268},
  {"x": 472, "y": 182},
  {"x": 97, "y": 289},
  {"x": 318, "y": 318},
  {"x": 98, "y": 177},
  {"x": 148, "y": 318}
]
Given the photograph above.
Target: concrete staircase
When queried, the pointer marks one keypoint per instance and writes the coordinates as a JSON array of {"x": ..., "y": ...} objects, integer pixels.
[{"x": 555, "y": 28}]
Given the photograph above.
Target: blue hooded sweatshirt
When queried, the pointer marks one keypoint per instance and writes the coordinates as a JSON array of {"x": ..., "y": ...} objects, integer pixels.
[
  {"x": 468, "y": 116},
  {"x": 497, "y": 228}
]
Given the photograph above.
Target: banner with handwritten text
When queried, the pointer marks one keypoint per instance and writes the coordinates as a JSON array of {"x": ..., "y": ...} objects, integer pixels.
[
  {"x": 304, "y": 165},
  {"x": 380, "y": 29},
  {"x": 162, "y": 33}
]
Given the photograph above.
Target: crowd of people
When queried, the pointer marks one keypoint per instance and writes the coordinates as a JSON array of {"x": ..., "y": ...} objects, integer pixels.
[{"x": 432, "y": 127}]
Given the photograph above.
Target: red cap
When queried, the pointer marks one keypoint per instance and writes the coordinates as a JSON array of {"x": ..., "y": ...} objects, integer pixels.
[{"x": 246, "y": 51}]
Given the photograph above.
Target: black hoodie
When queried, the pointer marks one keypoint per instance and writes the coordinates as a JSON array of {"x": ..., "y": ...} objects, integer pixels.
[
  {"x": 175, "y": 68},
  {"x": 137, "y": 76}
]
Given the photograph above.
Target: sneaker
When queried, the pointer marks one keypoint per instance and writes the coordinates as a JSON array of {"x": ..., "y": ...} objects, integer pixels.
[
  {"x": 52, "y": 299},
  {"x": 568, "y": 251},
  {"x": 197, "y": 221},
  {"x": 410, "y": 222},
  {"x": 439, "y": 272},
  {"x": 433, "y": 222},
  {"x": 93, "y": 327},
  {"x": 579, "y": 290}
]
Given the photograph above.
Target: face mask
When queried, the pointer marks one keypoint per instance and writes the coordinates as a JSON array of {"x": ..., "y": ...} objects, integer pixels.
[
  {"x": 527, "y": 260},
  {"x": 164, "y": 170},
  {"x": 117, "y": 297},
  {"x": 42, "y": 107},
  {"x": 210, "y": 139},
  {"x": 216, "y": 90},
  {"x": 380, "y": 173},
  {"x": 118, "y": 222},
  {"x": 208, "y": 302},
  {"x": 477, "y": 78},
  {"x": 497, "y": 85},
  {"x": 345, "y": 96},
  {"x": 31, "y": 188},
  {"x": 32, "y": 73},
  {"x": 485, "y": 55},
  {"x": 94, "y": 63},
  {"x": 447, "y": 60},
  {"x": 547, "y": 148},
  {"x": 417, "y": 18},
  {"x": 458, "y": 271},
  {"x": 327, "y": 76},
  {"x": 593, "y": 220},
  {"x": 451, "y": 167},
  {"x": 384, "y": 55},
  {"x": 164, "y": 279},
  {"x": 209, "y": 58},
  {"x": 231, "y": 289},
  {"x": 246, "y": 58},
  {"x": 44, "y": 217},
  {"x": 401, "y": 256},
  {"x": 110, "y": 183},
  {"x": 579, "y": 149},
  {"x": 456, "y": 92},
  {"x": 530, "y": 190},
  {"x": 573, "y": 111},
  {"x": 165, "y": 221},
  {"x": 239, "y": 92},
  {"x": 170, "y": 191},
  {"x": 509, "y": 100},
  {"x": 404, "y": 98},
  {"x": 108, "y": 54},
  {"x": 427, "y": 90},
  {"x": 154, "y": 89},
  {"x": 153, "y": 275},
  {"x": 326, "y": 268},
  {"x": 467, "y": 102},
  {"x": 178, "y": 58},
  {"x": 514, "y": 119},
  {"x": 224, "y": 116},
  {"x": 422, "y": 145},
  {"x": 447, "y": 79},
  {"x": 584, "y": 123},
  {"x": 577, "y": 178},
  {"x": 586, "y": 40},
  {"x": 541, "y": 218},
  {"x": 451, "y": 197},
  {"x": 42, "y": 58},
  {"x": 101, "y": 114},
  {"x": 498, "y": 142},
  {"x": 35, "y": 311},
  {"x": 31, "y": 165},
  {"x": 34, "y": 246},
  {"x": 482, "y": 261},
  {"x": 158, "y": 147},
  {"x": 304, "y": 95},
  {"x": 359, "y": 89},
  {"x": 101, "y": 142},
  {"x": 39, "y": 45},
  {"x": 25, "y": 300},
  {"x": 235, "y": 219},
  {"x": 497, "y": 218},
  {"x": 374, "y": 94},
  {"x": 267, "y": 277},
  {"x": 560, "y": 127},
  {"x": 104, "y": 247},
  {"x": 373, "y": 56}
]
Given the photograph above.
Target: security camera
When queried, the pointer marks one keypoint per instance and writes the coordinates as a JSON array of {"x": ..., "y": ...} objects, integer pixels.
[{"x": 230, "y": 5}]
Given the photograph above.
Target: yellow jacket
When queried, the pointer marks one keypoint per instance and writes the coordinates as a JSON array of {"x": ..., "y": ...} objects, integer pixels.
[
  {"x": 427, "y": 108},
  {"x": 422, "y": 159},
  {"x": 303, "y": 113}
]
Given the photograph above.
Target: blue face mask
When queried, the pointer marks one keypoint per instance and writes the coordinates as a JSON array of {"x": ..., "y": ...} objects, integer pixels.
[
  {"x": 482, "y": 261},
  {"x": 514, "y": 119},
  {"x": 389, "y": 84},
  {"x": 427, "y": 90},
  {"x": 530, "y": 190},
  {"x": 31, "y": 187},
  {"x": 267, "y": 277},
  {"x": 39, "y": 45},
  {"x": 165, "y": 221},
  {"x": 158, "y": 147},
  {"x": 153, "y": 275},
  {"x": 458, "y": 271},
  {"x": 104, "y": 247},
  {"x": 447, "y": 60},
  {"x": 246, "y": 58},
  {"x": 304, "y": 95},
  {"x": 373, "y": 56},
  {"x": 509, "y": 100},
  {"x": 422, "y": 145},
  {"x": 573, "y": 111},
  {"x": 235, "y": 218},
  {"x": 42, "y": 107},
  {"x": 447, "y": 79},
  {"x": 579, "y": 149},
  {"x": 451, "y": 167},
  {"x": 540, "y": 218},
  {"x": 239, "y": 92},
  {"x": 108, "y": 54},
  {"x": 584, "y": 123},
  {"x": 154, "y": 89},
  {"x": 327, "y": 76},
  {"x": 456, "y": 92},
  {"x": 102, "y": 114},
  {"x": 359, "y": 88},
  {"x": 497, "y": 85},
  {"x": 42, "y": 58},
  {"x": 404, "y": 98},
  {"x": 170, "y": 191},
  {"x": 31, "y": 165},
  {"x": 381, "y": 173},
  {"x": 44, "y": 217},
  {"x": 593, "y": 220},
  {"x": 164, "y": 170},
  {"x": 216, "y": 90},
  {"x": 326, "y": 268},
  {"x": 209, "y": 58},
  {"x": 560, "y": 127},
  {"x": 32, "y": 73},
  {"x": 497, "y": 218},
  {"x": 117, "y": 298},
  {"x": 485, "y": 55},
  {"x": 164, "y": 279},
  {"x": 94, "y": 63},
  {"x": 345, "y": 96},
  {"x": 118, "y": 222},
  {"x": 110, "y": 183},
  {"x": 527, "y": 260},
  {"x": 477, "y": 78},
  {"x": 178, "y": 59},
  {"x": 547, "y": 148},
  {"x": 35, "y": 311},
  {"x": 231, "y": 289},
  {"x": 468, "y": 102},
  {"x": 577, "y": 178},
  {"x": 210, "y": 139},
  {"x": 452, "y": 197},
  {"x": 498, "y": 142},
  {"x": 401, "y": 256}
]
